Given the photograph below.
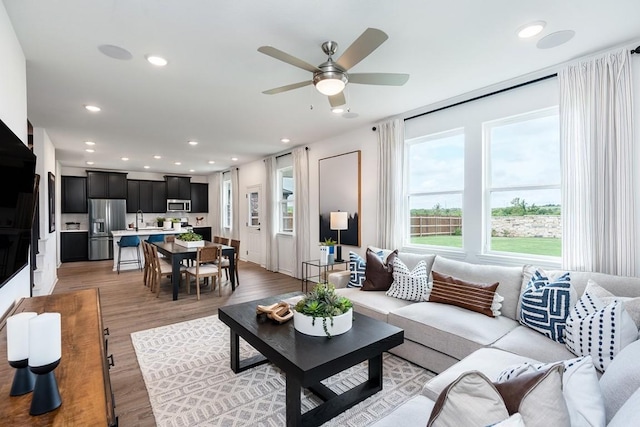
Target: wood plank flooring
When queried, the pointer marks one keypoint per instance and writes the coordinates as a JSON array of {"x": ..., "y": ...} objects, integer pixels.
[{"x": 128, "y": 306}]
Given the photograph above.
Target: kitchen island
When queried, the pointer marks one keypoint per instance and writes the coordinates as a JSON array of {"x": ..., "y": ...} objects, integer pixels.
[{"x": 130, "y": 253}]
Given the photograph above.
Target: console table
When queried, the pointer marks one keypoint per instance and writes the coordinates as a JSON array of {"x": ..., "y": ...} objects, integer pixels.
[
  {"x": 323, "y": 271},
  {"x": 83, "y": 373}
]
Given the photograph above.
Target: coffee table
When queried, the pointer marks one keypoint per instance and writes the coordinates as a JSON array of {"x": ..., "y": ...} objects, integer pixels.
[{"x": 307, "y": 360}]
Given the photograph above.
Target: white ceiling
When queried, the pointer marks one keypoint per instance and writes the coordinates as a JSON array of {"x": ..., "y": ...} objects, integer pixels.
[{"x": 211, "y": 89}]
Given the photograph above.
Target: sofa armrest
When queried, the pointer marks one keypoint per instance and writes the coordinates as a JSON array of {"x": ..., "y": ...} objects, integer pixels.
[{"x": 339, "y": 278}]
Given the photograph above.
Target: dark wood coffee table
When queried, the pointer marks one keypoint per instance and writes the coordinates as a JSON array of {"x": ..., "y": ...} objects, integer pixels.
[{"x": 307, "y": 360}]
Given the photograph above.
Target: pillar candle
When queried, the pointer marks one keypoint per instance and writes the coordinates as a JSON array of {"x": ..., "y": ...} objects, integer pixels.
[
  {"x": 45, "y": 343},
  {"x": 18, "y": 336}
]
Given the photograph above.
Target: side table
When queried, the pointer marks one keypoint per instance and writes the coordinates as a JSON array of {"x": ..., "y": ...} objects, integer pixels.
[{"x": 323, "y": 269}]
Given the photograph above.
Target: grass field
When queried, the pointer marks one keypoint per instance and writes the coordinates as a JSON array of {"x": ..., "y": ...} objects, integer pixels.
[{"x": 523, "y": 245}]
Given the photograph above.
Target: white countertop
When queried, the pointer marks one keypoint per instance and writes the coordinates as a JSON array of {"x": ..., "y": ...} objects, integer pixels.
[
  {"x": 74, "y": 231},
  {"x": 146, "y": 231}
]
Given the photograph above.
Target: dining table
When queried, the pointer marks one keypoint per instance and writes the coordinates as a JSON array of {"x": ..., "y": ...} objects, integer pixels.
[{"x": 178, "y": 253}]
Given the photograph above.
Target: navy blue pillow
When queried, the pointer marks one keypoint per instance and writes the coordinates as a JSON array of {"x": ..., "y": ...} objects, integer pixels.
[{"x": 357, "y": 267}]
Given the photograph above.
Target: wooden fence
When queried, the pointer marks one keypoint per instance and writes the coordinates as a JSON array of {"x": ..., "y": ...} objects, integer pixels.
[{"x": 435, "y": 225}]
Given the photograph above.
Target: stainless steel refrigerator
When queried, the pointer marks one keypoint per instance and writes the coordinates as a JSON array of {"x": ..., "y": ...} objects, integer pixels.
[{"x": 105, "y": 216}]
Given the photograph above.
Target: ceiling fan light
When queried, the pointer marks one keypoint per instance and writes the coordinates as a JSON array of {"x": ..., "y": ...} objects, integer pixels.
[{"x": 330, "y": 83}]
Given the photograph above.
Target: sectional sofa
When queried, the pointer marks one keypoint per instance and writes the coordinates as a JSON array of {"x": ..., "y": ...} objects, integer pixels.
[{"x": 449, "y": 340}]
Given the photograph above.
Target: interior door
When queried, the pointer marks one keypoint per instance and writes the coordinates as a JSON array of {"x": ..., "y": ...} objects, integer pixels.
[{"x": 254, "y": 236}]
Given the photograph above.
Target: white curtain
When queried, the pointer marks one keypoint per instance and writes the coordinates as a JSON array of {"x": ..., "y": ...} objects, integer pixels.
[
  {"x": 235, "y": 200},
  {"x": 596, "y": 131},
  {"x": 301, "y": 220},
  {"x": 216, "y": 204},
  {"x": 270, "y": 214},
  {"x": 390, "y": 167}
]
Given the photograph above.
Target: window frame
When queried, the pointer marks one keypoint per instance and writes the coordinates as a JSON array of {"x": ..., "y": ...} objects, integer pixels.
[
  {"x": 282, "y": 202},
  {"x": 227, "y": 204}
]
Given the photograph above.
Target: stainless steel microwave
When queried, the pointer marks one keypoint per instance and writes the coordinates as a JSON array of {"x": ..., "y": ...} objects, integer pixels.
[{"x": 178, "y": 205}]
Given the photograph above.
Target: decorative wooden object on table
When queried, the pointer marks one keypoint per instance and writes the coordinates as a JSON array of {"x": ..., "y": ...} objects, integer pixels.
[{"x": 83, "y": 373}]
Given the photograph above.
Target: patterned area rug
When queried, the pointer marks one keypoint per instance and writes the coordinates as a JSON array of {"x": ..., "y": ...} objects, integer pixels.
[{"x": 186, "y": 370}]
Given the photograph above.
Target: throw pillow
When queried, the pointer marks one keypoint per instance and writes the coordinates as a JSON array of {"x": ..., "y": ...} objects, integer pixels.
[
  {"x": 471, "y": 296},
  {"x": 473, "y": 400},
  {"x": 409, "y": 285},
  {"x": 580, "y": 388},
  {"x": 632, "y": 305},
  {"x": 545, "y": 304},
  {"x": 378, "y": 274},
  {"x": 599, "y": 330},
  {"x": 357, "y": 266}
]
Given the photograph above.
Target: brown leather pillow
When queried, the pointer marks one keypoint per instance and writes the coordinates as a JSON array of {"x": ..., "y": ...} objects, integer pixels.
[
  {"x": 471, "y": 296},
  {"x": 378, "y": 275}
]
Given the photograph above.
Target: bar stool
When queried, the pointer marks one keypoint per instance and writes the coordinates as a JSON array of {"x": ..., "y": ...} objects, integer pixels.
[
  {"x": 155, "y": 238},
  {"x": 129, "y": 242}
]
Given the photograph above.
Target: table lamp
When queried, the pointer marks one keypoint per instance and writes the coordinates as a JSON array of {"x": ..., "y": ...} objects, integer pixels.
[{"x": 339, "y": 221}]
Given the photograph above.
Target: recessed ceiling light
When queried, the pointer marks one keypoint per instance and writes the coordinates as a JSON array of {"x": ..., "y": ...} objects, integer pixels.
[
  {"x": 531, "y": 29},
  {"x": 192, "y": 170},
  {"x": 157, "y": 157},
  {"x": 193, "y": 142},
  {"x": 285, "y": 140},
  {"x": 211, "y": 162},
  {"x": 115, "y": 52},
  {"x": 156, "y": 60},
  {"x": 337, "y": 110},
  {"x": 235, "y": 159},
  {"x": 92, "y": 108},
  {"x": 177, "y": 163},
  {"x": 89, "y": 150},
  {"x": 146, "y": 166},
  {"x": 89, "y": 163},
  {"x": 90, "y": 143},
  {"x": 125, "y": 159},
  {"x": 555, "y": 39}
]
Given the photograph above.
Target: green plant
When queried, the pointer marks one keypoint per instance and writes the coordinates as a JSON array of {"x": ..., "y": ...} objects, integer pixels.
[
  {"x": 323, "y": 302},
  {"x": 174, "y": 220},
  {"x": 160, "y": 219},
  {"x": 328, "y": 242},
  {"x": 190, "y": 236}
]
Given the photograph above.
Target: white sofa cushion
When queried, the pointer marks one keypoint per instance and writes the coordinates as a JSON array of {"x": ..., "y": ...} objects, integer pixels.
[
  {"x": 449, "y": 329},
  {"x": 621, "y": 379},
  {"x": 509, "y": 279},
  {"x": 628, "y": 415},
  {"x": 527, "y": 342},
  {"x": 372, "y": 303},
  {"x": 414, "y": 412}
]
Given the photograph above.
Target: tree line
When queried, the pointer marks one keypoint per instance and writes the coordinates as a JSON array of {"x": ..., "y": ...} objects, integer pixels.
[{"x": 518, "y": 207}]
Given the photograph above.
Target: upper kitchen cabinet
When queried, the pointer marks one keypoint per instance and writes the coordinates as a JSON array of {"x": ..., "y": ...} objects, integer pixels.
[
  {"x": 147, "y": 196},
  {"x": 106, "y": 185},
  {"x": 159, "y": 194},
  {"x": 178, "y": 187},
  {"x": 199, "y": 197},
  {"x": 74, "y": 194}
]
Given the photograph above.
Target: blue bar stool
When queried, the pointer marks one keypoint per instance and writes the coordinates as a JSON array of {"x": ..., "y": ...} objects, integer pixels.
[
  {"x": 129, "y": 242},
  {"x": 155, "y": 238}
]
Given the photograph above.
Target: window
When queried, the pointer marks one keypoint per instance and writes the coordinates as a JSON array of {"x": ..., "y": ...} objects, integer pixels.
[
  {"x": 226, "y": 202},
  {"x": 254, "y": 209},
  {"x": 435, "y": 185},
  {"x": 523, "y": 184},
  {"x": 286, "y": 194}
]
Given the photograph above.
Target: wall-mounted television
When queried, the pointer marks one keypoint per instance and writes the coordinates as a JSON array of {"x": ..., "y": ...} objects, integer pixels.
[{"x": 18, "y": 195}]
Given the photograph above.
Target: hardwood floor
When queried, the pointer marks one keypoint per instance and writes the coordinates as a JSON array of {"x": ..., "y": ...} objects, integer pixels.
[{"x": 128, "y": 306}]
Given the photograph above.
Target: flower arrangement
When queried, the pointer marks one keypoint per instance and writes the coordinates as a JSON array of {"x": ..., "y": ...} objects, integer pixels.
[{"x": 323, "y": 302}]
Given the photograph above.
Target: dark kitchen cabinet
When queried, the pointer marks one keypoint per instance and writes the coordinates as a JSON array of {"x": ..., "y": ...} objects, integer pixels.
[
  {"x": 178, "y": 187},
  {"x": 133, "y": 195},
  {"x": 74, "y": 246},
  {"x": 199, "y": 197},
  {"x": 74, "y": 194},
  {"x": 147, "y": 196},
  {"x": 159, "y": 196},
  {"x": 106, "y": 185},
  {"x": 205, "y": 232}
]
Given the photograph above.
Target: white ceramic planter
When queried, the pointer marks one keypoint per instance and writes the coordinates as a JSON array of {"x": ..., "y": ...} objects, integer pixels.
[
  {"x": 341, "y": 324},
  {"x": 197, "y": 244},
  {"x": 167, "y": 225}
]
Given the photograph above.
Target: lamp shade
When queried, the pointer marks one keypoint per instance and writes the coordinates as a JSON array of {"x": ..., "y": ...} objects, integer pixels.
[
  {"x": 45, "y": 339},
  {"x": 18, "y": 336},
  {"x": 339, "y": 220}
]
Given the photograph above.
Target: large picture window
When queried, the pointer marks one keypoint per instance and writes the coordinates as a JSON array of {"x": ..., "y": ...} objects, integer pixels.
[
  {"x": 523, "y": 183},
  {"x": 286, "y": 199},
  {"x": 435, "y": 186},
  {"x": 227, "y": 202}
]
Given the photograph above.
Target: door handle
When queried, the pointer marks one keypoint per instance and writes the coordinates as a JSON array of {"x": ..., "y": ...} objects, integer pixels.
[{"x": 258, "y": 228}]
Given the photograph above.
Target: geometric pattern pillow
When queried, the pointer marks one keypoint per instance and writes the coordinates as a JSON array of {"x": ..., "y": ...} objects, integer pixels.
[
  {"x": 357, "y": 267},
  {"x": 407, "y": 284},
  {"x": 545, "y": 304},
  {"x": 599, "y": 330}
]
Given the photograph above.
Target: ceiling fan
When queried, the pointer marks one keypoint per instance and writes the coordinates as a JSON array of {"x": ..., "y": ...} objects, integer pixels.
[{"x": 331, "y": 77}]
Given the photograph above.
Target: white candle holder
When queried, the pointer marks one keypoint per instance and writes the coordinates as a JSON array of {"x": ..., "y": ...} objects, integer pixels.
[
  {"x": 18, "y": 353},
  {"x": 45, "y": 348}
]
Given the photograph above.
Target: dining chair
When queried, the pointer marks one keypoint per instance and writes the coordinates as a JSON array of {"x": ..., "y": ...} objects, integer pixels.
[
  {"x": 148, "y": 264},
  {"x": 160, "y": 269},
  {"x": 216, "y": 239},
  {"x": 205, "y": 268},
  {"x": 224, "y": 240},
  {"x": 225, "y": 264}
]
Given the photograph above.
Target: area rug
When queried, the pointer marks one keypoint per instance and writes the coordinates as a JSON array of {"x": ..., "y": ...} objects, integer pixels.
[{"x": 186, "y": 371}]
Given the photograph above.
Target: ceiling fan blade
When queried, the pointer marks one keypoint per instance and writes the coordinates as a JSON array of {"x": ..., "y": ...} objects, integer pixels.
[
  {"x": 285, "y": 57},
  {"x": 286, "y": 88},
  {"x": 337, "y": 100},
  {"x": 386, "y": 79},
  {"x": 368, "y": 41}
]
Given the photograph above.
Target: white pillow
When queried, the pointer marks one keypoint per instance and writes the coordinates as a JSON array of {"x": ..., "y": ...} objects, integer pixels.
[
  {"x": 599, "y": 330},
  {"x": 632, "y": 305},
  {"x": 580, "y": 388},
  {"x": 514, "y": 420},
  {"x": 409, "y": 285}
]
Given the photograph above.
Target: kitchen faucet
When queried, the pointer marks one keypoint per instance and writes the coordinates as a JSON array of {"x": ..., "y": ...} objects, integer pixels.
[{"x": 141, "y": 217}]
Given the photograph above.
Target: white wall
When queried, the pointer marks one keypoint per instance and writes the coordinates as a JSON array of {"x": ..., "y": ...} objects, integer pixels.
[{"x": 13, "y": 112}]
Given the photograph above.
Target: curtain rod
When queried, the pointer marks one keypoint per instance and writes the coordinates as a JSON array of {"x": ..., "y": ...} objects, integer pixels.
[
  {"x": 475, "y": 98},
  {"x": 636, "y": 50}
]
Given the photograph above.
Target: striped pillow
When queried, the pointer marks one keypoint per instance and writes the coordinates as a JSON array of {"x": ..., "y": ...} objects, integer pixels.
[{"x": 480, "y": 297}]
